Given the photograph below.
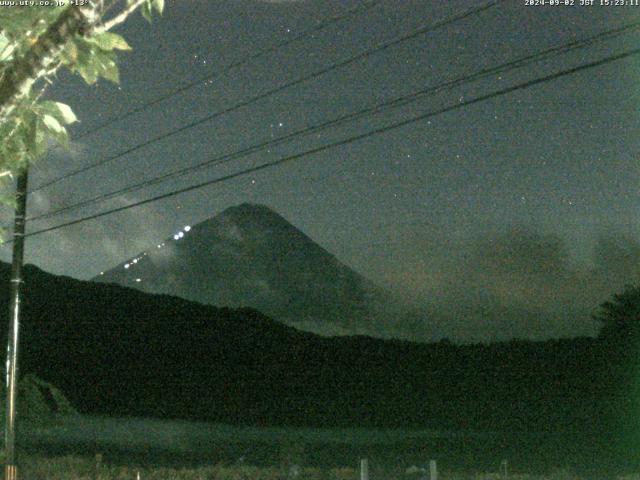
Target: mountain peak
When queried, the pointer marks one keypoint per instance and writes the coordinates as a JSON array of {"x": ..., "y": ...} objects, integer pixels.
[
  {"x": 254, "y": 214},
  {"x": 251, "y": 256},
  {"x": 248, "y": 208}
]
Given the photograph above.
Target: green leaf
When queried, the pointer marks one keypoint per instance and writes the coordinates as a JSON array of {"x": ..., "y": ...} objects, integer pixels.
[
  {"x": 105, "y": 64},
  {"x": 55, "y": 130},
  {"x": 85, "y": 64},
  {"x": 145, "y": 9},
  {"x": 8, "y": 200},
  {"x": 52, "y": 124},
  {"x": 158, "y": 5},
  {"x": 26, "y": 134},
  {"x": 9, "y": 23},
  {"x": 19, "y": 19},
  {"x": 69, "y": 54},
  {"x": 60, "y": 111},
  {"x": 41, "y": 143},
  {"x": 66, "y": 114},
  {"x": 6, "y": 49},
  {"x": 110, "y": 71},
  {"x": 110, "y": 41},
  {"x": 5, "y": 129},
  {"x": 94, "y": 62},
  {"x": 88, "y": 73}
]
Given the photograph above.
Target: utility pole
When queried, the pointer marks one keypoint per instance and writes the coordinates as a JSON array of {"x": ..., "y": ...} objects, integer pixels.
[{"x": 11, "y": 469}]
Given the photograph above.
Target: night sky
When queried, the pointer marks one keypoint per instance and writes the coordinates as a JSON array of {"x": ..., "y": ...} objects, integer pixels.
[{"x": 513, "y": 217}]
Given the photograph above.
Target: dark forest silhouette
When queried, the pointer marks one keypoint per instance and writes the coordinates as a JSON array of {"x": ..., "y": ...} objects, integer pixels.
[{"x": 117, "y": 351}]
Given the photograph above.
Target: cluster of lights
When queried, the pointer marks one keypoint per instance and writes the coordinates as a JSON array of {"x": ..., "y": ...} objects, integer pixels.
[
  {"x": 181, "y": 233},
  {"x": 130, "y": 263}
]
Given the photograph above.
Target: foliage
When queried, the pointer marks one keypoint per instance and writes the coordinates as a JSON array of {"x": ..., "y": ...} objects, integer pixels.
[
  {"x": 620, "y": 317},
  {"x": 39, "y": 402},
  {"x": 34, "y": 123}
]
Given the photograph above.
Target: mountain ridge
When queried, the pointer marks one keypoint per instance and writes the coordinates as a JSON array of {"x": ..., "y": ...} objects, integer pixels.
[
  {"x": 249, "y": 255},
  {"x": 114, "y": 350}
]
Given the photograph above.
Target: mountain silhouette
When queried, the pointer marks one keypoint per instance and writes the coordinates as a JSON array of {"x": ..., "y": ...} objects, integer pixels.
[
  {"x": 114, "y": 350},
  {"x": 250, "y": 256}
]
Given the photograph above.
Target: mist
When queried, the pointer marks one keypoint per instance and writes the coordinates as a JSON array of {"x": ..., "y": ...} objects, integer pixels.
[{"x": 513, "y": 283}]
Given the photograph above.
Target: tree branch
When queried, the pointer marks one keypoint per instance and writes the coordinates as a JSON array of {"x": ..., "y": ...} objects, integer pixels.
[
  {"x": 23, "y": 72},
  {"x": 18, "y": 78},
  {"x": 120, "y": 18}
]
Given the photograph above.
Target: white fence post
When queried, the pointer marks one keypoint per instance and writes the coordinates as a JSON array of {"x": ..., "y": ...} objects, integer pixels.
[
  {"x": 96, "y": 472},
  {"x": 504, "y": 469},
  {"x": 433, "y": 470},
  {"x": 364, "y": 469},
  {"x": 294, "y": 471}
]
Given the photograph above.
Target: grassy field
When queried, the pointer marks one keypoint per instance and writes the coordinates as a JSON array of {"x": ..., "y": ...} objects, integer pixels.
[
  {"x": 78, "y": 468},
  {"x": 197, "y": 450}
]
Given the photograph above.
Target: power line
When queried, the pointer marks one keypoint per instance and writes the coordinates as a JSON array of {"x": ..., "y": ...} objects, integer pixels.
[
  {"x": 297, "y": 156},
  {"x": 225, "y": 69},
  {"x": 383, "y": 46},
  {"x": 393, "y": 103}
]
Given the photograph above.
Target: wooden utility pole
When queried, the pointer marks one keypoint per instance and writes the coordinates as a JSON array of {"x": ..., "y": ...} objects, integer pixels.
[{"x": 11, "y": 469}]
